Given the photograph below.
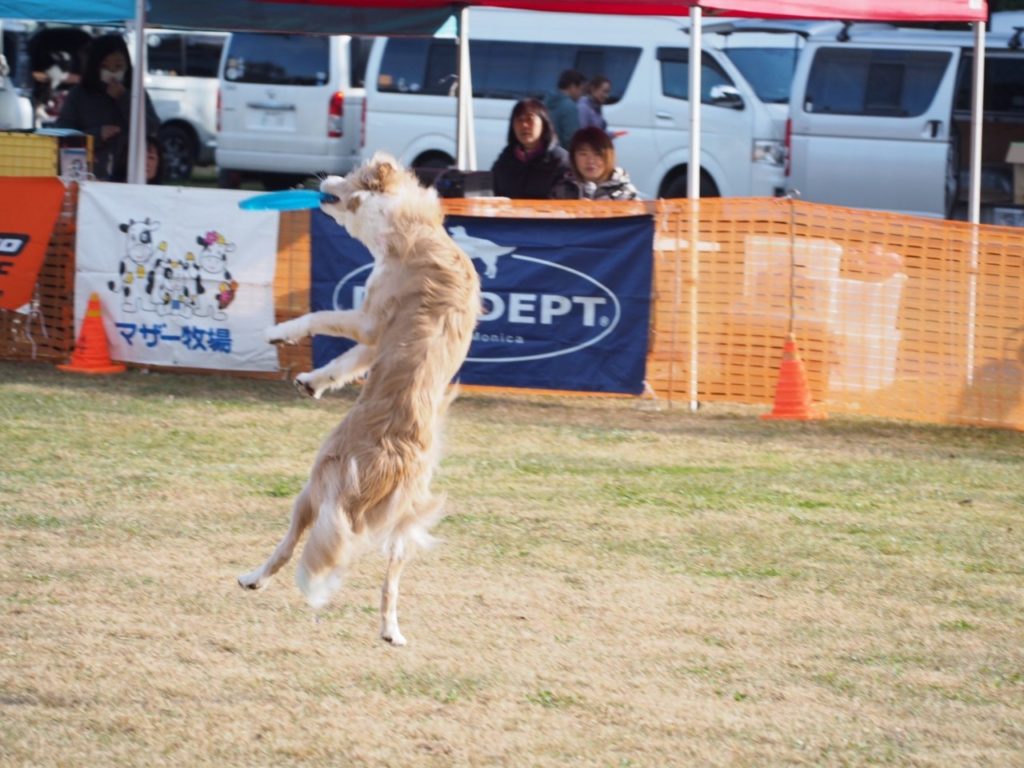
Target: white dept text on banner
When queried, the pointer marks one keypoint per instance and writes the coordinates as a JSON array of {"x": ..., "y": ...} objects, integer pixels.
[{"x": 185, "y": 277}]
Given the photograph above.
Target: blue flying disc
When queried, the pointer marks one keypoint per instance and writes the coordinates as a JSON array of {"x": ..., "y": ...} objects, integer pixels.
[{"x": 287, "y": 200}]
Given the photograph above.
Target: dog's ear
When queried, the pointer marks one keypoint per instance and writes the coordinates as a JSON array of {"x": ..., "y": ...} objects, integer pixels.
[
  {"x": 353, "y": 202},
  {"x": 384, "y": 173}
]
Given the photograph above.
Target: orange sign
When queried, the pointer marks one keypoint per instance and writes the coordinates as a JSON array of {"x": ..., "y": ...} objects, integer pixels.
[{"x": 28, "y": 210}]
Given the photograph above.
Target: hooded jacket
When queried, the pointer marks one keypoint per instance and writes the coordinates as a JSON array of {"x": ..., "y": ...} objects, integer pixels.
[{"x": 615, "y": 187}]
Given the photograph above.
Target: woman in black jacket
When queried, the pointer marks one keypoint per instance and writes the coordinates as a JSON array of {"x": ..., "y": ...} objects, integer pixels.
[
  {"x": 532, "y": 161},
  {"x": 101, "y": 106}
]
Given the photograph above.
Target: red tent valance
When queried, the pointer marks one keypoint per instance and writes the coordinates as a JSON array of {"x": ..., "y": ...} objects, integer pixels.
[{"x": 883, "y": 10}]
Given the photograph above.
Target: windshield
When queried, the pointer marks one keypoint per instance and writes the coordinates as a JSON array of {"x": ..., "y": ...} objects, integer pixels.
[
  {"x": 274, "y": 59},
  {"x": 768, "y": 70}
]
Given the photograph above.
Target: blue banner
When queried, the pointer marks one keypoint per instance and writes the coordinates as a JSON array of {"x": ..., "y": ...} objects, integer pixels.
[{"x": 566, "y": 302}]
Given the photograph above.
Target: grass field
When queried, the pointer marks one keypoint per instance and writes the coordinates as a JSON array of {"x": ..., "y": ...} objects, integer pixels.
[{"x": 619, "y": 586}]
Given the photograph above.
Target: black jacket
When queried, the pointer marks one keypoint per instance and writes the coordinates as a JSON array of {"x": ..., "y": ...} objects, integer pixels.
[{"x": 532, "y": 179}]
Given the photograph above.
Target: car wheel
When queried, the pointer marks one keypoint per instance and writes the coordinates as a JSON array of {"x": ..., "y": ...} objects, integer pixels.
[
  {"x": 677, "y": 186},
  {"x": 180, "y": 151}
]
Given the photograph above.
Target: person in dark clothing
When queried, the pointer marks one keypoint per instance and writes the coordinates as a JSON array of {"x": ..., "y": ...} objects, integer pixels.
[
  {"x": 562, "y": 105},
  {"x": 590, "y": 105},
  {"x": 532, "y": 161},
  {"x": 101, "y": 106}
]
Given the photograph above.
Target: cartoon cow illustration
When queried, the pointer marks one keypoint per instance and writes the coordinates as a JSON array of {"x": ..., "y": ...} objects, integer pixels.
[
  {"x": 477, "y": 248},
  {"x": 134, "y": 266},
  {"x": 217, "y": 288},
  {"x": 173, "y": 286}
]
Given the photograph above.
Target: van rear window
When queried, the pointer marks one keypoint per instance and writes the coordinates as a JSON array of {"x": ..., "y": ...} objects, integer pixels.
[
  {"x": 278, "y": 59},
  {"x": 184, "y": 55},
  {"x": 877, "y": 82},
  {"x": 501, "y": 69}
]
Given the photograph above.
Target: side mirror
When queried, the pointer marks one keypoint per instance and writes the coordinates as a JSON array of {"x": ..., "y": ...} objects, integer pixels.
[{"x": 726, "y": 96}]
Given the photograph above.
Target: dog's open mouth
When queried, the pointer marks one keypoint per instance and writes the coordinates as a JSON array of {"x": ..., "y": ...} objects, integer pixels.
[{"x": 327, "y": 197}]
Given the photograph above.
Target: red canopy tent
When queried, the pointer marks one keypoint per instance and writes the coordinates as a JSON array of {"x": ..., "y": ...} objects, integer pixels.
[{"x": 881, "y": 10}]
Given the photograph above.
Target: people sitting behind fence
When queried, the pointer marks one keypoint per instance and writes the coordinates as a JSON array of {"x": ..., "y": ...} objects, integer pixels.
[
  {"x": 594, "y": 174},
  {"x": 532, "y": 161},
  {"x": 100, "y": 105},
  {"x": 562, "y": 104}
]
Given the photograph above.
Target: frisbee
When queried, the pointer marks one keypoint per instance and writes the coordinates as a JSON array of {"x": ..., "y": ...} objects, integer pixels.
[{"x": 287, "y": 200}]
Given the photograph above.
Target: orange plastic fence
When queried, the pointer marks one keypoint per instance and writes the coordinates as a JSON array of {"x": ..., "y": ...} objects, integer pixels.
[{"x": 894, "y": 316}]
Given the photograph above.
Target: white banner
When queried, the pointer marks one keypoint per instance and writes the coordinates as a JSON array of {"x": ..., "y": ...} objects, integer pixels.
[{"x": 184, "y": 276}]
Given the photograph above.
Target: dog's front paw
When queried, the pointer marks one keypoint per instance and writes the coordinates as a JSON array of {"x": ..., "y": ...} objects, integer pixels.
[
  {"x": 304, "y": 383},
  {"x": 273, "y": 335},
  {"x": 284, "y": 333}
]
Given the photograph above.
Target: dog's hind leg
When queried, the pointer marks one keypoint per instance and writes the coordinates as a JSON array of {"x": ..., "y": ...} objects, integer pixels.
[
  {"x": 389, "y": 594},
  {"x": 302, "y": 517},
  {"x": 410, "y": 535}
]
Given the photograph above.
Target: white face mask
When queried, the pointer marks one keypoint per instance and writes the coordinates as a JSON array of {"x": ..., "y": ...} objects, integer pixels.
[{"x": 110, "y": 76}]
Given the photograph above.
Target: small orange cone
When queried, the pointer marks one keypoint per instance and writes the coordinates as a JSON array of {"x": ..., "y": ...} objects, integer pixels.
[
  {"x": 92, "y": 353},
  {"x": 792, "y": 395}
]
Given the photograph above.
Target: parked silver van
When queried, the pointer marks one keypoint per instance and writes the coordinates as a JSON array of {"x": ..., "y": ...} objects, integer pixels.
[
  {"x": 881, "y": 119},
  {"x": 181, "y": 80},
  {"x": 290, "y": 106}
]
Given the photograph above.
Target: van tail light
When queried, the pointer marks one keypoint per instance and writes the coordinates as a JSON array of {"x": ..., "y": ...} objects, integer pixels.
[
  {"x": 362, "y": 126},
  {"x": 789, "y": 143},
  {"x": 218, "y": 110},
  {"x": 335, "y": 112}
]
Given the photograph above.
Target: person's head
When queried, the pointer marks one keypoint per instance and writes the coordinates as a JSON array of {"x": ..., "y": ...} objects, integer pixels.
[
  {"x": 599, "y": 88},
  {"x": 571, "y": 82},
  {"x": 530, "y": 126},
  {"x": 107, "y": 59},
  {"x": 592, "y": 155},
  {"x": 154, "y": 161}
]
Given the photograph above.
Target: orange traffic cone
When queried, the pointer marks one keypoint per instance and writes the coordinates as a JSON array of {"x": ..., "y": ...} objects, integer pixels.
[
  {"x": 92, "y": 354},
  {"x": 792, "y": 395}
]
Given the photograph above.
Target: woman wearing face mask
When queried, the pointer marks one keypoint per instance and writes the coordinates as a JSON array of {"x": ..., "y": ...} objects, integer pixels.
[
  {"x": 532, "y": 161},
  {"x": 594, "y": 175},
  {"x": 100, "y": 105}
]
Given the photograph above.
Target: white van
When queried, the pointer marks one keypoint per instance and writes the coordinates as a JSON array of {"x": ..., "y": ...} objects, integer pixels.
[
  {"x": 881, "y": 119},
  {"x": 181, "y": 80},
  {"x": 291, "y": 106},
  {"x": 411, "y": 85}
]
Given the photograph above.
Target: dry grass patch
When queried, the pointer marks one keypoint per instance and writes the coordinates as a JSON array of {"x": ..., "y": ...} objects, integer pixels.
[{"x": 618, "y": 587}]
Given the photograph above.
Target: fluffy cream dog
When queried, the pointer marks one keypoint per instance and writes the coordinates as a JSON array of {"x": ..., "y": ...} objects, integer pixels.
[{"x": 370, "y": 484}]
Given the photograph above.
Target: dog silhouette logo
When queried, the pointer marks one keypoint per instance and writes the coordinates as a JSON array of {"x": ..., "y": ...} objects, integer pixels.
[{"x": 477, "y": 248}]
